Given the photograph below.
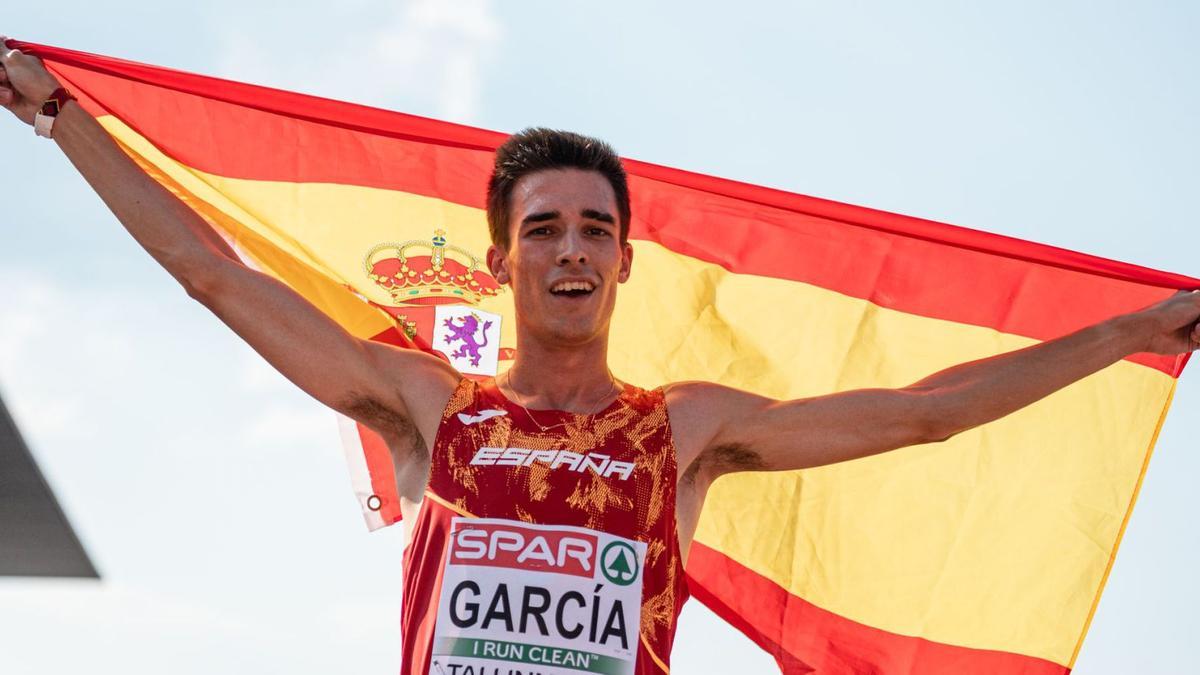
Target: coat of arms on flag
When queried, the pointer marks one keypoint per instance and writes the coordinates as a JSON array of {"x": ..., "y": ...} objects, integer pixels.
[{"x": 433, "y": 290}]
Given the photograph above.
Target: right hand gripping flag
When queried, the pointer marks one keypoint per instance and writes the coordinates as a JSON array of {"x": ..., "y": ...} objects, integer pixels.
[{"x": 983, "y": 554}]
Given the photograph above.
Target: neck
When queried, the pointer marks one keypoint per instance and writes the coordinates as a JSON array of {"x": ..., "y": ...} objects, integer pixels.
[{"x": 574, "y": 378}]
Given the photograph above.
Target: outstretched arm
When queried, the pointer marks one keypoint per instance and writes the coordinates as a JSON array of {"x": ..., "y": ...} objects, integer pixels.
[
  {"x": 733, "y": 430},
  {"x": 381, "y": 386}
]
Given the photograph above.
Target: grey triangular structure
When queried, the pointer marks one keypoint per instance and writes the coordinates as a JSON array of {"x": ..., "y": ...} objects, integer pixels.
[{"x": 35, "y": 538}]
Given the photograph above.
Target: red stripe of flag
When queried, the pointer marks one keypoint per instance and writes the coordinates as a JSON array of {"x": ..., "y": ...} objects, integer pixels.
[{"x": 804, "y": 638}]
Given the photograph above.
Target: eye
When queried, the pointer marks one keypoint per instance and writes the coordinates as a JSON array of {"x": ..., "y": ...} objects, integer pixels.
[
  {"x": 600, "y": 231},
  {"x": 538, "y": 231}
]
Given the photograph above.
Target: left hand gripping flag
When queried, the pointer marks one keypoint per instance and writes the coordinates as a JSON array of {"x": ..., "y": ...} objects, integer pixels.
[{"x": 984, "y": 554}]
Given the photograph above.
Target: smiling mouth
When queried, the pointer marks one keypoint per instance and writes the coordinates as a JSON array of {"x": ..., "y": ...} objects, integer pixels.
[
  {"x": 573, "y": 289},
  {"x": 572, "y": 293}
]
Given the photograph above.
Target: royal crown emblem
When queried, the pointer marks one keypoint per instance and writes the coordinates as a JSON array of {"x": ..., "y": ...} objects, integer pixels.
[{"x": 448, "y": 275}]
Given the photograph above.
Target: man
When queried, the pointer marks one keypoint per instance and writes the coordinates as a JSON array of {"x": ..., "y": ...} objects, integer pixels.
[{"x": 552, "y": 508}]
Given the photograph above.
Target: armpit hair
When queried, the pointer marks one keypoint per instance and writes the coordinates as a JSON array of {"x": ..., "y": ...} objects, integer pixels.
[
  {"x": 387, "y": 421},
  {"x": 725, "y": 459}
]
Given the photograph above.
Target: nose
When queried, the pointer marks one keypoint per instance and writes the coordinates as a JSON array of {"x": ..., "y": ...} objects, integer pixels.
[{"x": 572, "y": 249}]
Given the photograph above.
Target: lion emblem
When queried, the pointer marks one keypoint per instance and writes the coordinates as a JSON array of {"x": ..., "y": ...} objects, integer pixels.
[{"x": 465, "y": 333}]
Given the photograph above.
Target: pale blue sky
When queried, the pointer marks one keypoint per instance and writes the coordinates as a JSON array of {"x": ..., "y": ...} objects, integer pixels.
[{"x": 212, "y": 495}]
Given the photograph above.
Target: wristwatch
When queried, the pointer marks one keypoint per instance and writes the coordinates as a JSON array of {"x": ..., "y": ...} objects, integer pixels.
[{"x": 43, "y": 122}]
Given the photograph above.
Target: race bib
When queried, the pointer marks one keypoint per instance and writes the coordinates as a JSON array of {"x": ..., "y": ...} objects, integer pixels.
[{"x": 546, "y": 599}]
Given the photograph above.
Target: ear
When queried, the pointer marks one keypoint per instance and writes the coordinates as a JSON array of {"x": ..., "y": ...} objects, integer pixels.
[
  {"x": 626, "y": 262},
  {"x": 497, "y": 262}
]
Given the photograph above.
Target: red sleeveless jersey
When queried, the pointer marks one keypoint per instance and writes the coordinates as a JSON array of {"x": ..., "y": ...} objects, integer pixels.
[{"x": 545, "y": 548}]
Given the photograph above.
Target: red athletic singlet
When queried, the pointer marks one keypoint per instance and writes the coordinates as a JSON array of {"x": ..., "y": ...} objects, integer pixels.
[{"x": 545, "y": 551}]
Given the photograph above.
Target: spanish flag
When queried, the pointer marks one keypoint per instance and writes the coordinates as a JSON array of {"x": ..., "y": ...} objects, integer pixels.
[{"x": 983, "y": 554}]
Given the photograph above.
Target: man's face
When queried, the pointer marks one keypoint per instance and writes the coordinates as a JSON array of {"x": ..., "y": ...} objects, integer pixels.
[{"x": 565, "y": 257}]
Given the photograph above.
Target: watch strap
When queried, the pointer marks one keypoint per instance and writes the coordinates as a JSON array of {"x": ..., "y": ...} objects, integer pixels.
[{"x": 43, "y": 121}]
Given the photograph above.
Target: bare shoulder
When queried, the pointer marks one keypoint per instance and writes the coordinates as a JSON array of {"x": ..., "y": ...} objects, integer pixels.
[
  {"x": 701, "y": 415},
  {"x": 691, "y": 402}
]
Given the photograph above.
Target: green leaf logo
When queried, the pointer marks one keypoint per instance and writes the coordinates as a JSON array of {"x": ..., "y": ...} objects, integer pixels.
[{"x": 619, "y": 563}]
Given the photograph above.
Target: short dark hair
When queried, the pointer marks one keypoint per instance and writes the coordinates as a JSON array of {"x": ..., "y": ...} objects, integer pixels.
[{"x": 538, "y": 149}]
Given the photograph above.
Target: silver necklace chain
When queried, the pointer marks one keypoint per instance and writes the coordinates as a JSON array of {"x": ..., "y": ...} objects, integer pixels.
[{"x": 521, "y": 403}]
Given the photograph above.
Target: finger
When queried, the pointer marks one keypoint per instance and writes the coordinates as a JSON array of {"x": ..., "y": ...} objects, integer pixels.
[{"x": 6, "y": 54}]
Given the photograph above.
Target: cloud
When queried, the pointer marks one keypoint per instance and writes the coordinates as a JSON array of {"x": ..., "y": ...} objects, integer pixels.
[
  {"x": 32, "y": 316},
  {"x": 425, "y": 56},
  {"x": 120, "y": 628},
  {"x": 69, "y": 357},
  {"x": 23, "y": 319},
  {"x": 287, "y": 426},
  {"x": 64, "y": 365},
  {"x": 117, "y": 607},
  {"x": 290, "y": 418}
]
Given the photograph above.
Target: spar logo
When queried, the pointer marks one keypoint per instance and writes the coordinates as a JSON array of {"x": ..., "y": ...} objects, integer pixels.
[
  {"x": 619, "y": 563},
  {"x": 520, "y": 548}
]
